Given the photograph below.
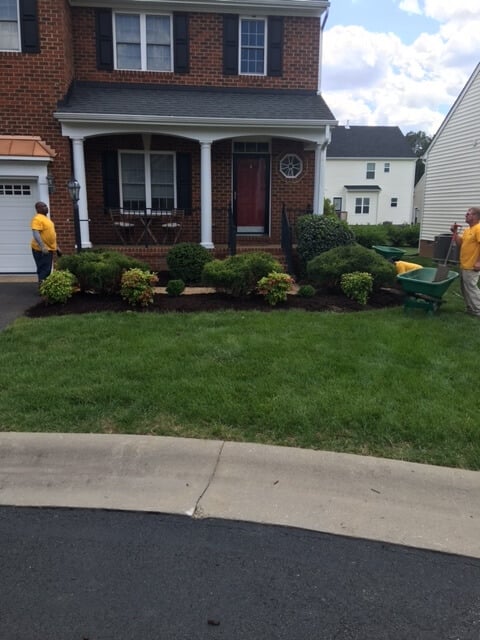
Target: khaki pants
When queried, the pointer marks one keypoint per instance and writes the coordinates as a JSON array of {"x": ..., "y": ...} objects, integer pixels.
[{"x": 470, "y": 291}]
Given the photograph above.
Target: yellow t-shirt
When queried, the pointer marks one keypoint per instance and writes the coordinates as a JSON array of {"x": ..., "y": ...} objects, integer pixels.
[
  {"x": 470, "y": 247},
  {"x": 46, "y": 228}
]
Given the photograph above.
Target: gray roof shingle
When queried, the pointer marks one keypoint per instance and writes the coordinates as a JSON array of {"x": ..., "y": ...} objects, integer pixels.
[
  {"x": 368, "y": 142},
  {"x": 191, "y": 102}
]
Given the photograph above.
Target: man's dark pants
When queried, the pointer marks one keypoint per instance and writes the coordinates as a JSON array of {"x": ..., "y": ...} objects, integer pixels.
[{"x": 44, "y": 264}]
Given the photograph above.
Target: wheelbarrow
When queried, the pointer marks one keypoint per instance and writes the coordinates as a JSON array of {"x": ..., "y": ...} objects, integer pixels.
[
  {"x": 389, "y": 253},
  {"x": 421, "y": 290}
]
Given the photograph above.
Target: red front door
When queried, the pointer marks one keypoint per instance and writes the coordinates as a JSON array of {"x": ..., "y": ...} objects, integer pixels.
[{"x": 251, "y": 192}]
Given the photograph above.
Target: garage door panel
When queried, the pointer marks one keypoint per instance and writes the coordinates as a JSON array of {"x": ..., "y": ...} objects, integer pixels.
[{"x": 17, "y": 207}]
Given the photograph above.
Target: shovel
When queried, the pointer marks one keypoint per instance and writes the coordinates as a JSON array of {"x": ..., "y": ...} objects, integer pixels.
[{"x": 443, "y": 269}]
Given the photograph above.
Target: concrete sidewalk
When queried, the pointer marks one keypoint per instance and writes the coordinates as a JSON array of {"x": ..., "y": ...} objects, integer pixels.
[{"x": 411, "y": 504}]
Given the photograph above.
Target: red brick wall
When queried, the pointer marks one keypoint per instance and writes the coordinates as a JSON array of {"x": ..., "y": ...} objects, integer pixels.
[{"x": 300, "y": 56}]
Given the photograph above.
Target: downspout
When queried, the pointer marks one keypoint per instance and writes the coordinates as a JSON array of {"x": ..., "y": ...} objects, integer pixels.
[{"x": 320, "y": 53}]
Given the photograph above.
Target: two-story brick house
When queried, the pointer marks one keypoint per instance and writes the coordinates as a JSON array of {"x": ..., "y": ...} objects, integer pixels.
[{"x": 156, "y": 106}]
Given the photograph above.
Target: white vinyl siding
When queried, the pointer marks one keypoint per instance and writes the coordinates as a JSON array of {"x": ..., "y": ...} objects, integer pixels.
[{"x": 452, "y": 176}]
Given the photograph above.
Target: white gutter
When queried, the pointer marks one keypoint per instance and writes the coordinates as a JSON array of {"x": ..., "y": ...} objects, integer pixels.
[{"x": 320, "y": 53}]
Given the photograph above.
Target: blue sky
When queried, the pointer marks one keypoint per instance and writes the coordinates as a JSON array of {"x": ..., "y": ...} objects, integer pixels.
[{"x": 398, "y": 62}]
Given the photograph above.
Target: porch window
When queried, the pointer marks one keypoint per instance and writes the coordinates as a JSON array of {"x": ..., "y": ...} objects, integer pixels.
[
  {"x": 370, "y": 175},
  {"x": 143, "y": 42},
  {"x": 362, "y": 205},
  {"x": 252, "y": 46},
  {"x": 9, "y": 26},
  {"x": 147, "y": 181},
  {"x": 291, "y": 165}
]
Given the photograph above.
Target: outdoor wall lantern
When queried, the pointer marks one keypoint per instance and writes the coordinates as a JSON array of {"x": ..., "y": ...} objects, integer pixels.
[{"x": 73, "y": 187}]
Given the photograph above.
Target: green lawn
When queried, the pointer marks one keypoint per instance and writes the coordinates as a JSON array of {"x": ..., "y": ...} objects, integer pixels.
[{"x": 381, "y": 383}]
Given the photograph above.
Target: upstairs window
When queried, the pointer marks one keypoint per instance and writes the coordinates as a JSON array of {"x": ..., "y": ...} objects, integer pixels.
[
  {"x": 370, "y": 175},
  {"x": 386, "y": 167},
  {"x": 252, "y": 46},
  {"x": 9, "y": 26},
  {"x": 143, "y": 42}
]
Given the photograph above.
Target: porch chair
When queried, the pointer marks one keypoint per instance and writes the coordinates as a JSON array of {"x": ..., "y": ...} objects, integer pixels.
[
  {"x": 173, "y": 227},
  {"x": 123, "y": 225}
]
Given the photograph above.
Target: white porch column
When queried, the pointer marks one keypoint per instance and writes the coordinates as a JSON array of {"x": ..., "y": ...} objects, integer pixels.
[
  {"x": 206, "y": 194},
  {"x": 80, "y": 175},
  {"x": 320, "y": 167}
]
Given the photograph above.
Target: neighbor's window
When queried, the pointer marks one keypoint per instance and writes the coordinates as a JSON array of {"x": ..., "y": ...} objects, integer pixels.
[
  {"x": 291, "y": 165},
  {"x": 337, "y": 204},
  {"x": 370, "y": 170},
  {"x": 386, "y": 167},
  {"x": 362, "y": 205},
  {"x": 252, "y": 46},
  {"x": 147, "y": 181},
  {"x": 143, "y": 41},
  {"x": 9, "y": 26},
  {"x": 394, "y": 202}
]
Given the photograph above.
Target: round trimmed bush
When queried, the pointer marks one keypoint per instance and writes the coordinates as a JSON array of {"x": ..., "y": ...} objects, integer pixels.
[
  {"x": 317, "y": 234},
  {"x": 175, "y": 288},
  {"x": 326, "y": 270},
  {"x": 58, "y": 287},
  {"x": 186, "y": 260}
]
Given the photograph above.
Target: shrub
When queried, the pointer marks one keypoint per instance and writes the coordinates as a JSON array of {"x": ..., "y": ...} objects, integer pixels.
[
  {"x": 137, "y": 287},
  {"x": 99, "y": 271},
  {"x": 186, "y": 261},
  {"x": 306, "y": 291},
  {"x": 327, "y": 269},
  {"x": 275, "y": 287},
  {"x": 317, "y": 234},
  {"x": 370, "y": 234},
  {"x": 357, "y": 286},
  {"x": 403, "y": 235},
  {"x": 175, "y": 287},
  {"x": 238, "y": 275},
  {"x": 58, "y": 287}
]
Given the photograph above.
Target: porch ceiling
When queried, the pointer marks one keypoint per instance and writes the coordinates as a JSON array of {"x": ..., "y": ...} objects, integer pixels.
[{"x": 96, "y": 102}]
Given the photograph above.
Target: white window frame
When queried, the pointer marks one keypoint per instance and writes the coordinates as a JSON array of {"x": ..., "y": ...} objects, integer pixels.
[
  {"x": 18, "y": 48},
  {"x": 394, "y": 202},
  {"x": 143, "y": 40},
  {"x": 240, "y": 47},
  {"x": 148, "y": 174},
  {"x": 386, "y": 167},
  {"x": 290, "y": 163},
  {"x": 370, "y": 172},
  {"x": 364, "y": 205}
]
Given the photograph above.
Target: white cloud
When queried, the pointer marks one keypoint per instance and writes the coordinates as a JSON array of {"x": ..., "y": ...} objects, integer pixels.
[{"x": 375, "y": 78}]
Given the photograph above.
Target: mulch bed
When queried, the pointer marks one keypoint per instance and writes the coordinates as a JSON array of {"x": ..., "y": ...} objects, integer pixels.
[{"x": 90, "y": 302}]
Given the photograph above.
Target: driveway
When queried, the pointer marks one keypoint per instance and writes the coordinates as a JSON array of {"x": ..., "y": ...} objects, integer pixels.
[{"x": 16, "y": 296}]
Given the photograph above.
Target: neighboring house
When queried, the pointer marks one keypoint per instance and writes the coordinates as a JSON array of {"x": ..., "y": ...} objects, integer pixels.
[
  {"x": 418, "y": 198},
  {"x": 452, "y": 169},
  {"x": 201, "y": 106},
  {"x": 370, "y": 175}
]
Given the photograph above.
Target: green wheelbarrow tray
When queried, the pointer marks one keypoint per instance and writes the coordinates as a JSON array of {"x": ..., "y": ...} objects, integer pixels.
[
  {"x": 421, "y": 291},
  {"x": 390, "y": 253}
]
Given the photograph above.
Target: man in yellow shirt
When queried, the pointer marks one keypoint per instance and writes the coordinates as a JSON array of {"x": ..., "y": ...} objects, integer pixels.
[
  {"x": 44, "y": 241},
  {"x": 469, "y": 243}
]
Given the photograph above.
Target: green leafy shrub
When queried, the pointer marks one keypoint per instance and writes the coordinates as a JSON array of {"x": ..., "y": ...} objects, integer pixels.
[
  {"x": 306, "y": 291},
  {"x": 275, "y": 287},
  {"x": 186, "y": 261},
  {"x": 137, "y": 287},
  {"x": 58, "y": 287},
  {"x": 175, "y": 287},
  {"x": 317, "y": 234},
  {"x": 98, "y": 270},
  {"x": 370, "y": 234},
  {"x": 403, "y": 235},
  {"x": 327, "y": 269},
  {"x": 357, "y": 286},
  {"x": 238, "y": 275}
]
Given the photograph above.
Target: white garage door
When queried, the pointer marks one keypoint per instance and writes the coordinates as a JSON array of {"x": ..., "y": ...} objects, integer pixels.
[{"x": 17, "y": 208}]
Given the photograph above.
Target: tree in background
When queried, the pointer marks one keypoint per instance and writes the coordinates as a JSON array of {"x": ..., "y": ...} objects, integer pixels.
[{"x": 419, "y": 143}]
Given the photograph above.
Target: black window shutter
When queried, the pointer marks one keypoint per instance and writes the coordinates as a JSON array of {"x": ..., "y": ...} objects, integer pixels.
[
  {"x": 275, "y": 46},
  {"x": 29, "y": 26},
  {"x": 181, "y": 56},
  {"x": 111, "y": 193},
  {"x": 184, "y": 181},
  {"x": 104, "y": 36},
  {"x": 230, "y": 45}
]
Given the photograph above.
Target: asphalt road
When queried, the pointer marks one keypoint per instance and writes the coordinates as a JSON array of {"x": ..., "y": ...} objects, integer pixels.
[{"x": 72, "y": 574}]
